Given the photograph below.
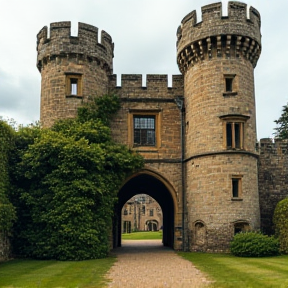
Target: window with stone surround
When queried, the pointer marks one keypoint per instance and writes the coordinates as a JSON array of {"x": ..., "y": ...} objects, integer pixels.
[
  {"x": 73, "y": 85},
  {"x": 230, "y": 85},
  {"x": 151, "y": 213},
  {"x": 236, "y": 187},
  {"x": 233, "y": 131},
  {"x": 144, "y": 129}
]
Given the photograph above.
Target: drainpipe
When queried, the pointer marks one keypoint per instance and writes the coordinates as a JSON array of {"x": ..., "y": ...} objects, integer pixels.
[{"x": 180, "y": 104}]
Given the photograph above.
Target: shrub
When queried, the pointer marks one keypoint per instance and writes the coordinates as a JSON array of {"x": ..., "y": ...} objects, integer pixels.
[
  {"x": 254, "y": 244},
  {"x": 280, "y": 220}
]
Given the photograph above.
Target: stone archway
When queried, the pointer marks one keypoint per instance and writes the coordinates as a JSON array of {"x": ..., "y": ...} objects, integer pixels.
[{"x": 147, "y": 182}]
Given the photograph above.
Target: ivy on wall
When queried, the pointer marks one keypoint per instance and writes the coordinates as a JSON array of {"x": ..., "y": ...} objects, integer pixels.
[
  {"x": 7, "y": 211},
  {"x": 66, "y": 181}
]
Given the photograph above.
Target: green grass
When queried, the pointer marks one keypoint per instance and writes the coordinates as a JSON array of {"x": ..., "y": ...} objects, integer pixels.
[
  {"x": 52, "y": 274},
  {"x": 147, "y": 235},
  {"x": 230, "y": 271}
]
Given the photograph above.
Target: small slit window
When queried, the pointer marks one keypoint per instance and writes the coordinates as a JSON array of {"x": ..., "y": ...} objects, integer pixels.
[
  {"x": 230, "y": 85},
  {"x": 236, "y": 187},
  {"x": 74, "y": 85}
]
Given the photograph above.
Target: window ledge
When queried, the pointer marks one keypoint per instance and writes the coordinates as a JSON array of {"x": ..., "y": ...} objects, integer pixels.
[
  {"x": 146, "y": 149},
  {"x": 74, "y": 96},
  {"x": 227, "y": 94},
  {"x": 235, "y": 149},
  {"x": 236, "y": 199}
]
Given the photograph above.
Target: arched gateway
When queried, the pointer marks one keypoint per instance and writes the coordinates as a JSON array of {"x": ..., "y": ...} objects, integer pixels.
[{"x": 150, "y": 183}]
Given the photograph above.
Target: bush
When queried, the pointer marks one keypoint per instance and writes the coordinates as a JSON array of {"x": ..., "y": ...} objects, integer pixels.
[
  {"x": 280, "y": 220},
  {"x": 254, "y": 244}
]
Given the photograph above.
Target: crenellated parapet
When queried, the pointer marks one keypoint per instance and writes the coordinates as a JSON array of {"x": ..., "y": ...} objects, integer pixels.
[
  {"x": 156, "y": 86},
  {"x": 84, "y": 47},
  {"x": 235, "y": 35}
]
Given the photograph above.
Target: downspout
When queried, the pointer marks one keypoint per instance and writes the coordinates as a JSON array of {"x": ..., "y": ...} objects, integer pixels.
[{"x": 180, "y": 104}]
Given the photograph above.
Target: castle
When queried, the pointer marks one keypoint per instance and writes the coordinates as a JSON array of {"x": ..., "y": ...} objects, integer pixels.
[{"x": 198, "y": 137}]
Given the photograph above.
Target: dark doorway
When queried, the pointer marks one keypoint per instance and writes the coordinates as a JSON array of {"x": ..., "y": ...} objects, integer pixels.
[{"x": 152, "y": 186}]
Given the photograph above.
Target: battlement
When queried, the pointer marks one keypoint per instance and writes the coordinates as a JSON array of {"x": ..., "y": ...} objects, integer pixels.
[
  {"x": 235, "y": 34},
  {"x": 132, "y": 83},
  {"x": 85, "y": 45},
  {"x": 276, "y": 147}
]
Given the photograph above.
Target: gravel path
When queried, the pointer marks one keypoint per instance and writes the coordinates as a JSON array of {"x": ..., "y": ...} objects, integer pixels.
[{"x": 147, "y": 263}]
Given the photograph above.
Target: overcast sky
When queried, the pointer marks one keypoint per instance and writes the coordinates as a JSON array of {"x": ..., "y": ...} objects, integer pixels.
[{"x": 144, "y": 33}]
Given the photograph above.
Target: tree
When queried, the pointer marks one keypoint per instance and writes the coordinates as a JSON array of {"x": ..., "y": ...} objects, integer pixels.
[
  {"x": 282, "y": 123},
  {"x": 280, "y": 220},
  {"x": 69, "y": 178},
  {"x": 7, "y": 210}
]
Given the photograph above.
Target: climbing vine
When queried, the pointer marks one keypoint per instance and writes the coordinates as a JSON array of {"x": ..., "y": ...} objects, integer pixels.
[
  {"x": 66, "y": 182},
  {"x": 7, "y": 211}
]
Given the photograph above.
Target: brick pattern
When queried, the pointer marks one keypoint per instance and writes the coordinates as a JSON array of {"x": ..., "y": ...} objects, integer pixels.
[
  {"x": 273, "y": 183},
  {"x": 207, "y": 52},
  {"x": 61, "y": 54}
]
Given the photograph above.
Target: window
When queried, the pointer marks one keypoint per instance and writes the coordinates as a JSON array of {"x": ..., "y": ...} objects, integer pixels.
[
  {"x": 236, "y": 184},
  {"x": 233, "y": 131},
  {"x": 74, "y": 85},
  {"x": 151, "y": 212},
  {"x": 235, "y": 187},
  {"x": 230, "y": 88},
  {"x": 144, "y": 130},
  {"x": 234, "y": 135}
]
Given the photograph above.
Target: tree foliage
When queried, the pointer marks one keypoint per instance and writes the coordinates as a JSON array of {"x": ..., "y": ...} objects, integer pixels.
[
  {"x": 67, "y": 179},
  {"x": 7, "y": 211},
  {"x": 282, "y": 124},
  {"x": 280, "y": 220}
]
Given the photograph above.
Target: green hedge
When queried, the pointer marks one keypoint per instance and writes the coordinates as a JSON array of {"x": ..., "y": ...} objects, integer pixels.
[
  {"x": 280, "y": 220},
  {"x": 254, "y": 244},
  {"x": 7, "y": 211}
]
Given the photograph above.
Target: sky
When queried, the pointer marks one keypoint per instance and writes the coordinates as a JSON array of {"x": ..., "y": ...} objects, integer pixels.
[{"x": 144, "y": 33}]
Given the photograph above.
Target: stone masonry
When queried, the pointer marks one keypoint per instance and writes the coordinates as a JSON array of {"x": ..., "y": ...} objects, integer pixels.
[{"x": 198, "y": 137}]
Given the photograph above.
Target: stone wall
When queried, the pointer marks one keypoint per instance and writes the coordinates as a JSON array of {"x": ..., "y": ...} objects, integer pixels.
[
  {"x": 273, "y": 179},
  {"x": 63, "y": 57}
]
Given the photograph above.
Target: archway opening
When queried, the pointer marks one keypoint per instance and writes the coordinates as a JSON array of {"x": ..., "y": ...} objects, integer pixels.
[
  {"x": 141, "y": 213},
  {"x": 155, "y": 188}
]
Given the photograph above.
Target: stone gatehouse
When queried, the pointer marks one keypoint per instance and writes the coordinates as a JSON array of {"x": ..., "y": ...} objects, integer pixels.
[{"x": 198, "y": 137}]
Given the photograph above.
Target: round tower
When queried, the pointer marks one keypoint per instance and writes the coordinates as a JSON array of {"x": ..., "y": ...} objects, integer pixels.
[
  {"x": 72, "y": 68},
  {"x": 217, "y": 58}
]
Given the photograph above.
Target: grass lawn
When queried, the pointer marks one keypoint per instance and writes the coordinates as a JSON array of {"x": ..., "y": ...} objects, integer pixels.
[
  {"x": 52, "y": 274},
  {"x": 230, "y": 271},
  {"x": 146, "y": 235}
]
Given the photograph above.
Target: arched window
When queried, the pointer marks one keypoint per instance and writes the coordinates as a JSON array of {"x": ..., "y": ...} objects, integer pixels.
[
  {"x": 200, "y": 233},
  {"x": 241, "y": 226}
]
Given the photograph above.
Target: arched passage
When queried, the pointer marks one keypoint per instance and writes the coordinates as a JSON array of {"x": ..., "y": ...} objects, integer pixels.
[{"x": 153, "y": 185}]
